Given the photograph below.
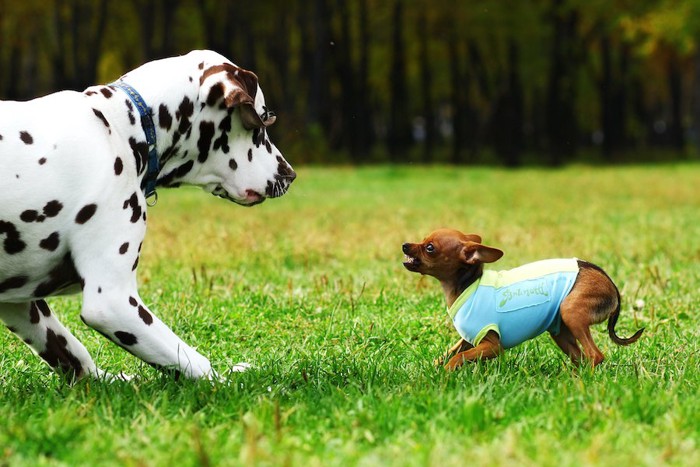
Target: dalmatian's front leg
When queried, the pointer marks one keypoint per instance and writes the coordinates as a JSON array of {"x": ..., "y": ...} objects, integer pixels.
[
  {"x": 119, "y": 314},
  {"x": 105, "y": 249},
  {"x": 39, "y": 328}
]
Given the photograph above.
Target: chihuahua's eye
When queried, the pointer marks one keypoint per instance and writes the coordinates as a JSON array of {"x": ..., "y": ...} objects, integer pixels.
[{"x": 430, "y": 248}]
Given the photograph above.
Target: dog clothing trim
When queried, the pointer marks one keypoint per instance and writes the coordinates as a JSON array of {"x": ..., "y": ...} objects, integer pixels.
[{"x": 518, "y": 304}]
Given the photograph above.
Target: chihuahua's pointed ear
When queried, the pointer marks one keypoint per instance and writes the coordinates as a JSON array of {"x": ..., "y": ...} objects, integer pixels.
[{"x": 475, "y": 253}]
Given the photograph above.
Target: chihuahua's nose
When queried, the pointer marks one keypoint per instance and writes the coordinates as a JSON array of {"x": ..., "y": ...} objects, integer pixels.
[{"x": 405, "y": 247}]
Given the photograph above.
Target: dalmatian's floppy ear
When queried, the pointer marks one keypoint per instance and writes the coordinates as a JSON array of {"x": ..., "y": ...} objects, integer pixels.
[
  {"x": 239, "y": 97},
  {"x": 239, "y": 88}
]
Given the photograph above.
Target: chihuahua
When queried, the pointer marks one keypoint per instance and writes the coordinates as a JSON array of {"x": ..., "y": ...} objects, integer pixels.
[{"x": 496, "y": 310}]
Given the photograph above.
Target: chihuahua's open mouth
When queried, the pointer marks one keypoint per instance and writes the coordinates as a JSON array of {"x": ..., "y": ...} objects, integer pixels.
[{"x": 411, "y": 263}]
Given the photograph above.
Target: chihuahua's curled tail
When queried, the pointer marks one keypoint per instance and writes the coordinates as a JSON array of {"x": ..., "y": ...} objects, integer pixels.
[{"x": 612, "y": 319}]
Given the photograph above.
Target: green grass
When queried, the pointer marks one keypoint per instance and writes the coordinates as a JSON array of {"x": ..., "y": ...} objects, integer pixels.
[{"x": 310, "y": 289}]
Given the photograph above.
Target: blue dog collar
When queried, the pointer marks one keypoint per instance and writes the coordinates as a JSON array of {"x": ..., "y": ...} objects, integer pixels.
[{"x": 148, "y": 184}]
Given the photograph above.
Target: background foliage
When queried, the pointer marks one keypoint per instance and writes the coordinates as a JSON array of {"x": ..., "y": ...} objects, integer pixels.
[{"x": 479, "y": 81}]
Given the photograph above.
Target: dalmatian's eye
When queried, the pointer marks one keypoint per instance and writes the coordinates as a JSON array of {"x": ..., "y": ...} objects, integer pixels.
[
  {"x": 430, "y": 248},
  {"x": 267, "y": 114}
]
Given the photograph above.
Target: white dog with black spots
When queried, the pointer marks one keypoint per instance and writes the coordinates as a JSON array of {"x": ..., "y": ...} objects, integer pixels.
[{"x": 74, "y": 169}]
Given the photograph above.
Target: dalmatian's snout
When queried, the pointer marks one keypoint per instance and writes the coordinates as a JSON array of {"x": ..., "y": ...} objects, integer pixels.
[{"x": 283, "y": 179}]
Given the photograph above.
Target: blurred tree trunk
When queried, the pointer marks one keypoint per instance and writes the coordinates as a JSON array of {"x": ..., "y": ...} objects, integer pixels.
[
  {"x": 363, "y": 108},
  {"x": 507, "y": 123},
  {"x": 315, "y": 61},
  {"x": 695, "y": 101},
  {"x": 399, "y": 131},
  {"x": 77, "y": 23},
  {"x": 426, "y": 87},
  {"x": 675, "y": 82},
  {"x": 219, "y": 27},
  {"x": 347, "y": 120},
  {"x": 613, "y": 96},
  {"x": 562, "y": 125}
]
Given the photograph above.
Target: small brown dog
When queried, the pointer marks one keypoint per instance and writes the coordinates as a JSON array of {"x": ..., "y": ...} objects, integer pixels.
[{"x": 496, "y": 310}]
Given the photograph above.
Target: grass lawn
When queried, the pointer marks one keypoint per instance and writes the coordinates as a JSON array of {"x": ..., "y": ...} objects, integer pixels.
[{"x": 310, "y": 289}]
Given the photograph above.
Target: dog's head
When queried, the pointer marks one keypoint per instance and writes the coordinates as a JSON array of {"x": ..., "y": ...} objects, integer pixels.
[
  {"x": 446, "y": 253},
  {"x": 235, "y": 158}
]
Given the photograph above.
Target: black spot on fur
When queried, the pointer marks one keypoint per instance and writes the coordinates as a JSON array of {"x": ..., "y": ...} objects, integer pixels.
[
  {"x": 57, "y": 355},
  {"x": 30, "y": 215},
  {"x": 90, "y": 93},
  {"x": 124, "y": 248},
  {"x": 43, "y": 307},
  {"x": 215, "y": 93},
  {"x": 52, "y": 208},
  {"x": 106, "y": 92},
  {"x": 183, "y": 114},
  {"x": 34, "y": 316},
  {"x": 13, "y": 283},
  {"x": 101, "y": 116},
  {"x": 268, "y": 146},
  {"x": 258, "y": 137},
  {"x": 60, "y": 277},
  {"x": 206, "y": 133},
  {"x": 133, "y": 202},
  {"x": 26, "y": 137},
  {"x": 140, "y": 152},
  {"x": 126, "y": 338},
  {"x": 42, "y": 161},
  {"x": 85, "y": 213},
  {"x": 224, "y": 127},
  {"x": 13, "y": 243},
  {"x": 165, "y": 120},
  {"x": 118, "y": 166},
  {"x": 181, "y": 171},
  {"x": 145, "y": 315},
  {"x": 136, "y": 264},
  {"x": 133, "y": 301},
  {"x": 130, "y": 113},
  {"x": 232, "y": 164},
  {"x": 50, "y": 243},
  {"x": 250, "y": 155}
]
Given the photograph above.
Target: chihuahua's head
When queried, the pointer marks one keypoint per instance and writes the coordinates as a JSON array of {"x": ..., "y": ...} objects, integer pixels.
[{"x": 449, "y": 256}]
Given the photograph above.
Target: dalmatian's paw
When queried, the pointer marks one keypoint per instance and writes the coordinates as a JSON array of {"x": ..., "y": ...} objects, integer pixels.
[
  {"x": 102, "y": 375},
  {"x": 240, "y": 367}
]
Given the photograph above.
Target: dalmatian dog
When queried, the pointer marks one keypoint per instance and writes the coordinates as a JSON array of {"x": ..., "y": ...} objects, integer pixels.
[{"x": 76, "y": 171}]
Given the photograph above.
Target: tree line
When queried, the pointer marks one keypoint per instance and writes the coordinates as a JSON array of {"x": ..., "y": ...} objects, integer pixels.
[{"x": 361, "y": 81}]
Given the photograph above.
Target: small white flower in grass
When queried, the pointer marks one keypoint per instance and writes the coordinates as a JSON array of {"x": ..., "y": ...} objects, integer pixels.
[
  {"x": 638, "y": 304},
  {"x": 269, "y": 389}
]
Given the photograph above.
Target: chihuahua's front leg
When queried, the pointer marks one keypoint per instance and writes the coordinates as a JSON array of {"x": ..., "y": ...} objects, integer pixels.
[
  {"x": 489, "y": 347},
  {"x": 460, "y": 346}
]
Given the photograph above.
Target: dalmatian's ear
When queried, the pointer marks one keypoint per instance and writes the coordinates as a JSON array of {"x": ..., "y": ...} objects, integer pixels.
[
  {"x": 239, "y": 88},
  {"x": 239, "y": 97}
]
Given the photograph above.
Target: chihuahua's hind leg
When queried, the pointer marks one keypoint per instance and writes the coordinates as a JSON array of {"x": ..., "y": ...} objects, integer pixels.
[
  {"x": 575, "y": 316},
  {"x": 567, "y": 343}
]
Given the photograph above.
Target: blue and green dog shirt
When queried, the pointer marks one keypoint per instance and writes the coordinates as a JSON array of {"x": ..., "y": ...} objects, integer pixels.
[{"x": 518, "y": 304}]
